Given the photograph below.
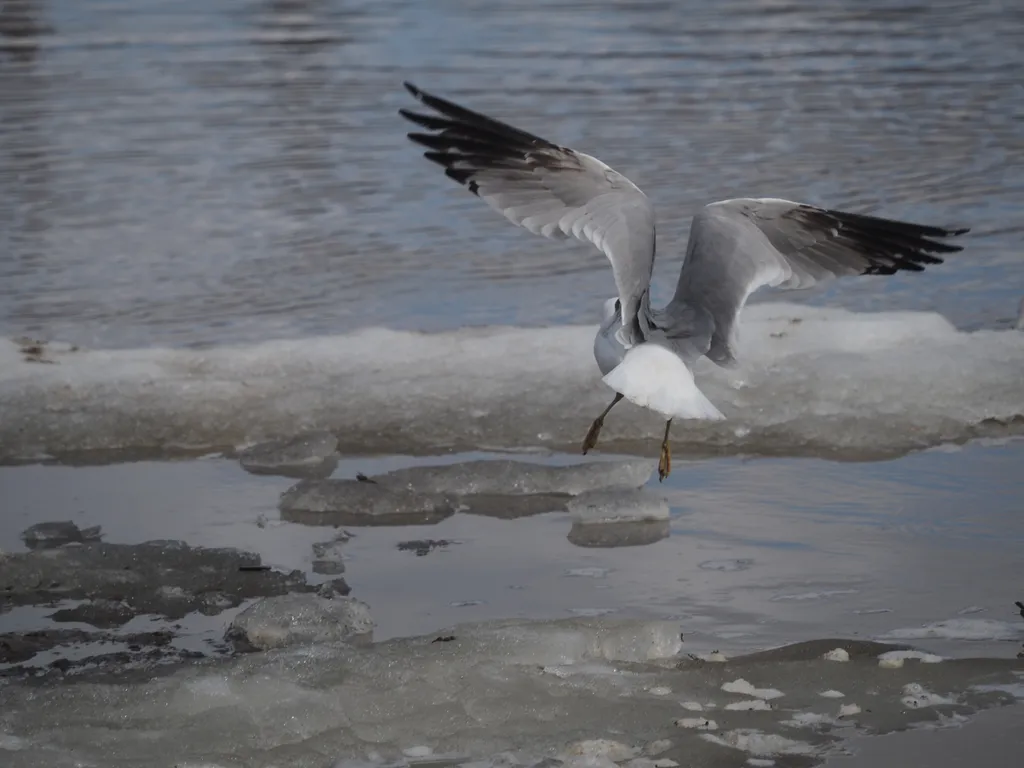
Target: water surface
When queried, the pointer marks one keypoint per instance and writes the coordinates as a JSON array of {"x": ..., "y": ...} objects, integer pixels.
[{"x": 197, "y": 173}]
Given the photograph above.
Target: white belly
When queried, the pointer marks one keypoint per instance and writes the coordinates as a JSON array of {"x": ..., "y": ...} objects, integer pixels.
[{"x": 652, "y": 376}]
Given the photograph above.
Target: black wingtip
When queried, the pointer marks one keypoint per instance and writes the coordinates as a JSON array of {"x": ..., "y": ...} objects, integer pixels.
[{"x": 416, "y": 92}]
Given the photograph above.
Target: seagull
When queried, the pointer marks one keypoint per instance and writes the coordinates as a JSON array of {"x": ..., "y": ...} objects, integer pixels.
[{"x": 647, "y": 355}]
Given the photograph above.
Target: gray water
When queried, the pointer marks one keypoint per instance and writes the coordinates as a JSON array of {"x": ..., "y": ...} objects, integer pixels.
[{"x": 198, "y": 173}]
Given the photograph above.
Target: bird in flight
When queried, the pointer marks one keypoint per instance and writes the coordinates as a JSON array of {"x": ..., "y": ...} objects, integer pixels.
[{"x": 645, "y": 354}]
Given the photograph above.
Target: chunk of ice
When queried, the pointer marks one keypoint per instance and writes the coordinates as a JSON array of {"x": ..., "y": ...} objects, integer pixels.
[
  {"x": 276, "y": 622},
  {"x": 312, "y": 454},
  {"x": 353, "y": 502},
  {"x": 837, "y": 654},
  {"x": 615, "y": 751},
  {"x": 916, "y": 696},
  {"x": 831, "y": 694},
  {"x": 758, "y": 743},
  {"x": 697, "y": 723},
  {"x": 838, "y": 382},
  {"x": 620, "y": 506},
  {"x": 12, "y": 743},
  {"x": 119, "y": 581},
  {"x": 895, "y": 659},
  {"x": 656, "y": 747},
  {"x": 570, "y": 641},
  {"x": 514, "y": 478},
  {"x": 744, "y": 688},
  {"x": 748, "y": 705},
  {"x": 327, "y": 557},
  {"x": 57, "y": 534},
  {"x": 808, "y": 720}
]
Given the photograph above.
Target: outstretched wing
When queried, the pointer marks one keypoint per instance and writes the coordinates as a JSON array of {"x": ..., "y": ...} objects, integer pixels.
[
  {"x": 550, "y": 190},
  {"x": 738, "y": 246}
]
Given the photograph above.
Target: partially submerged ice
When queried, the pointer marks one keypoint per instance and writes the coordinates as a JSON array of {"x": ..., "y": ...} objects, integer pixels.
[
  {"x": 592, "y": 692},
  {"x": 124, "y": 606},
  {"x": 519, "y": 478},
  {"x": 621, "y": 506},
  {"x": 312, "y": 454},
  {"x": 115, "y": 582},
  {"x": 618, "y": 518},
  {"x": 357, "y": 502},
  {"x": 56, "y": 534},
  {"x": 328, "y": 557},
  {"x": 302, "y": 619},
  {"x": 499, "y": 488},
  {"x": 811, "y": 381}
]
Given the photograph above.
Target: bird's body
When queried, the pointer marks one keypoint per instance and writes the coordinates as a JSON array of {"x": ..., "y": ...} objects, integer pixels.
[{"x": 647, "y": 355}]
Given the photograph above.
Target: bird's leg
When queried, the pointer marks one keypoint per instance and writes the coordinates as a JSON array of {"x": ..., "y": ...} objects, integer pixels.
[
  {"x": 595, "y": 429},
  {"x": 665, "y": 462}
]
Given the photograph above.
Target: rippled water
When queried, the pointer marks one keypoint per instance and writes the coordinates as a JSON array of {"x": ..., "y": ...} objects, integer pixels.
[{"x": 193, "y": 173}]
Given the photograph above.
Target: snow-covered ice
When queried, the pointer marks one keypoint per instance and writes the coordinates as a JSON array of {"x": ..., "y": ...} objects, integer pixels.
[
  {"x": 743, "y": 688},
  {"x": 811, "y": 380},
  {"x": 896, "y": 659},
  {"x": 837, "y": 654},
  {"x": 483, "y": 697}
]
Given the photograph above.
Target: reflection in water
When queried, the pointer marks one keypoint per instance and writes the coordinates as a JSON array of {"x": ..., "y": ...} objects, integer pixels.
[
  {"x": 510, "y": 506},
  {"x": 608, "y": 535}
]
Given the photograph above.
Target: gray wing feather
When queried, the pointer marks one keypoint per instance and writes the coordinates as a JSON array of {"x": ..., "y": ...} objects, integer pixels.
[
  {"x": 738, "y": 246},
  {"x": 549, "y": 190}
]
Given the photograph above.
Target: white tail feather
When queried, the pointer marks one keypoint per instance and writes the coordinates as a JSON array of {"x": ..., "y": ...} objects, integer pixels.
[{"x": 654, "y": 377}]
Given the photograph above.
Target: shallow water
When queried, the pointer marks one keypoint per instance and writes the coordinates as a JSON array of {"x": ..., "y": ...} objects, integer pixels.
[
  {"x": 161, "y": 168},
  {"x": 757, "y": 553}
]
